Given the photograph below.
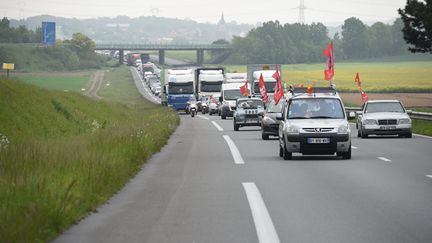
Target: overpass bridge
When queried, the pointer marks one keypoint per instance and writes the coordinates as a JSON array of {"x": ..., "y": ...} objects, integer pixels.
[{"x": 161, "y": 48}]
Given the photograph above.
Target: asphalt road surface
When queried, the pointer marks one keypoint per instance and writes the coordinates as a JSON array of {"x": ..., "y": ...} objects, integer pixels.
[{"x": 212, "y": 184}]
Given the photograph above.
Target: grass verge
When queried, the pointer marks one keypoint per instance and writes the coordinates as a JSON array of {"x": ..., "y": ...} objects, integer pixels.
[
  {"x": 422, "y": 127},
  {"x": 63, "y": 154}
]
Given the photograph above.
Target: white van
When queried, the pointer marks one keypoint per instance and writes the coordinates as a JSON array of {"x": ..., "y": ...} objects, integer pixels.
[{"x": 230, "y": 92}]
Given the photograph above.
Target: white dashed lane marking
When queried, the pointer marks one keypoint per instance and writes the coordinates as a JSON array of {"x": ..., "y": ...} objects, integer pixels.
[
  {"x": 384, "y": 159},
  {"x": 234, "y": 151},
  {"x": 265, "y": 229},
  {"x": 217, "y": 126},
  {"x": 203, "y": 117}
]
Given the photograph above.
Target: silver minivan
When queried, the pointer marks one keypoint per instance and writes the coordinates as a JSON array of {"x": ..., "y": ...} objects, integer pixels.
[{"x": 314, "y": 122}]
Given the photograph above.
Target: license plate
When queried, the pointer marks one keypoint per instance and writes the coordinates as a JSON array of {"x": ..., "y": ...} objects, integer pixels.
[
  {"x": 318, "y": 140},
  {"x": 251, "y": 120},
  {"x": 388, "y": 127}
]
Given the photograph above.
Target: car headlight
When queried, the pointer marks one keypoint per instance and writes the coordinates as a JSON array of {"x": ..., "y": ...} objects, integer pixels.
[
  {"x": 405, "y": 121},
  {"x": 343, "y": 129},
  {"x": 268, "y": 120},
  {"x": 293, "y": 129},
  {"x": 370, "y": 122}
]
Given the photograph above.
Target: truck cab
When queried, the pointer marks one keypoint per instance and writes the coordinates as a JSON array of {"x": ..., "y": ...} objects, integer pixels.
[
  {"x": 269, "y": 81},
  {"x": 209, "y": 81},
  {"x": 179, "y": 87}
]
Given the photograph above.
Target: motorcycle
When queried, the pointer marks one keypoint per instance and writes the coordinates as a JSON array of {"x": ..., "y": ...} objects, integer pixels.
[
  {"x": 192, "y": 108},
  {"x": 204, "y": 108}
]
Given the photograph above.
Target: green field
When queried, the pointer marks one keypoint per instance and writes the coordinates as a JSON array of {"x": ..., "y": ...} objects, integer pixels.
[
  {"x": 70, "y": 81},
  {"x": 188, "y": 56},
  {"x": 408, "y": 76}
]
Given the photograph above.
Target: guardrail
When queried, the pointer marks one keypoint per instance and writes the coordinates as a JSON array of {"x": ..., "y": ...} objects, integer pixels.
[{"x": 413, "y": 114}]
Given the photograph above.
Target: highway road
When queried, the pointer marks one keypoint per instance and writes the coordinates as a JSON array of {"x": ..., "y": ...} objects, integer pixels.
[{"x": 212, "y": 184}]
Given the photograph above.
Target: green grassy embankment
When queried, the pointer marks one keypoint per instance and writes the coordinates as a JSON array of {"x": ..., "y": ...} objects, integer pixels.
[
  {"x": 64, "y": 81},
  {"x": 62, "y": 154},
  {"x": 37, "y": 57}
]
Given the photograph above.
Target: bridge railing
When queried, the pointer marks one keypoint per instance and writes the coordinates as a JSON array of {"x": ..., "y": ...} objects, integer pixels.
[{"x": 159, "y": 46}]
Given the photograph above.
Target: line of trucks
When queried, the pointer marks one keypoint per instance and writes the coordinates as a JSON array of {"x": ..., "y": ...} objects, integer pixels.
[{"x": 179, "y": 85}]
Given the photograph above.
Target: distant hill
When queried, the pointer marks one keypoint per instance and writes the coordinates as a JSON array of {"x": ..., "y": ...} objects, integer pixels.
[{"x": 141, "y": 29}]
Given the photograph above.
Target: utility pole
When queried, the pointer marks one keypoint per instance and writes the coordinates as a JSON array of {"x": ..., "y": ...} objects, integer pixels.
[
  {"x": 301, "y": 8},
  {"x": 21, "y": 7}
]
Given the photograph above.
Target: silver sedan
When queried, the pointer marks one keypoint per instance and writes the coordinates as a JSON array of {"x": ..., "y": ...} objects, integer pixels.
[{"x": 383, "y": 117}]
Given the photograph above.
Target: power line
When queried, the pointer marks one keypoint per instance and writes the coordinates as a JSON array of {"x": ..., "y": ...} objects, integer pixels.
[{"x": 301, "y": 8}]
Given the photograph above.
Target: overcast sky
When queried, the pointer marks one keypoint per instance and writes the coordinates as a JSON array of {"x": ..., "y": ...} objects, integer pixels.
[{"x": 328, "y": 12}]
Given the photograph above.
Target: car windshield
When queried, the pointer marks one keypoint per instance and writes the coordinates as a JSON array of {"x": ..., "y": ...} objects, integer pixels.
[
  {"x": 272, "y": 108},
  {"x": 317, "y": 108},
  {"x": 270, "y": 85},
  {"x": 211, "y": 86},
  {"x": 232, "y": 94},
  {"x": 384, "y": 107},
  {"x": 181, "y": 88},
  {"x": 250, "y": 104}
]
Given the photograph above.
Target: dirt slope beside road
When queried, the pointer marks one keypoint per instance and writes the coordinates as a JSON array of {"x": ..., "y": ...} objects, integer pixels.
[{"x": 407, "y": 99}]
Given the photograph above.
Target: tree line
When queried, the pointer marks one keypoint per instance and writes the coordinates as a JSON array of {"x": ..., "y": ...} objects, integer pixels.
[
  {"x": 19, "y": 34},
  {"x": 301, "y": 43}
]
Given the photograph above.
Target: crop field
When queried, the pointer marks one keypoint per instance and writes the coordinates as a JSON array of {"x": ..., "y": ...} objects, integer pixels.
[
  {"x": 189, "y": 56},
  {"x": 414, "y": 76},
  {"x": 70, "y": 81}
]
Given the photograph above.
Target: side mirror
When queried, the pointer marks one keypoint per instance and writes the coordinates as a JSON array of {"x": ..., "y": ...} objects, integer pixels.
[
  {"x": 220, "y": 99},
  {"x": 279, "y": 117},
  {"x": 409, "y": 111},
  {"x": 352, "y": 115}
]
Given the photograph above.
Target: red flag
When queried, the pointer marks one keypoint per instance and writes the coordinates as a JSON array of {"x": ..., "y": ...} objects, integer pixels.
[
  {"x": 278, "y": 94},
  {"x": 244, "y": 89},
  {"x": 262, "y": 88},
  {"x": 364, "y": 96},
  {"x": 329, "y": 53},
  {"x": 357, "y": 80},
  {"x": 212, "y": 99}
]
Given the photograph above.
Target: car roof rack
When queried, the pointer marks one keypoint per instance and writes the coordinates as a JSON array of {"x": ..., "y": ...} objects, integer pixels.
[{"x": 315, "y": 90}]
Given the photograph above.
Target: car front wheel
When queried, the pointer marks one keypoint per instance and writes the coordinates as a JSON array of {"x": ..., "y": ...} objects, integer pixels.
[
  {"x": 345, "y": 155},
  {"x": 236, "y": 127},
  {"x": 286, "y": 155}
]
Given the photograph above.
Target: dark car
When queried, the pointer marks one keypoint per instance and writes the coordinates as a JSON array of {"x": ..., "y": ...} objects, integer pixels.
[
  {"x": 269, "y": 123},
  {"x": 248, "y": 112}
]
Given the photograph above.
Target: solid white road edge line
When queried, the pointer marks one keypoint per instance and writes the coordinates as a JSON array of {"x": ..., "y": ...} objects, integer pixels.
[
  {"x": 263, "y": 224},
  {"x": 234, "y": 151},
  {"x": 420, "y": 135},
  {"x": 430, "y": 176},
  {"x": 217, "y": 126},
  {"x": 384, "y": 159},
  {"x": 203, "y": 117}
]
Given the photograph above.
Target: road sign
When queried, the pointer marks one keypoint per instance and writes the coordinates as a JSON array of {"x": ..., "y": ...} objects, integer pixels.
[
  {"x": 48, "y": 33},
  {"x": 8, "y": 66}
]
